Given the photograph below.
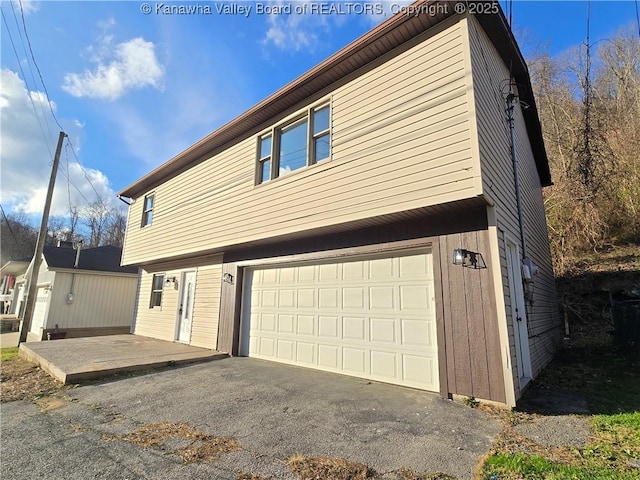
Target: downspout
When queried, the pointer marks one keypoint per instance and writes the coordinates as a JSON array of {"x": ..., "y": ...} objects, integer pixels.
[{"x": 516, "y": 176}]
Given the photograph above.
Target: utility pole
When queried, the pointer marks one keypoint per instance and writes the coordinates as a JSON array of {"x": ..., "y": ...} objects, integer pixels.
[{"x": 42, "y": 237}]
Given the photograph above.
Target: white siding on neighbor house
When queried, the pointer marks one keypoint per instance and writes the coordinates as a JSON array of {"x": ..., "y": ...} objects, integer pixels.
[
  {"x": 490, "y": 74},
  {"x": 161, "y": 322},
  {"x": 400, "y": 140},
  {"x": 99, "y": 300}
]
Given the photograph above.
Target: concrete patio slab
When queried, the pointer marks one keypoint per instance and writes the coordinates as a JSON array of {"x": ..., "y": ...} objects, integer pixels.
[{"x": 76, "y": 359}]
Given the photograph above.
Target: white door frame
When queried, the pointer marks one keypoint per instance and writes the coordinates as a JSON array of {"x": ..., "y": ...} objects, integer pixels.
[
  {"x": 185, "y": 306},
  {"x": 518, "y": 311}
]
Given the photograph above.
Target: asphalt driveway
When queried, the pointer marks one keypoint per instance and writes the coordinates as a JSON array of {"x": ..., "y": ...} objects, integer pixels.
[{"x": 273, "y": 411}]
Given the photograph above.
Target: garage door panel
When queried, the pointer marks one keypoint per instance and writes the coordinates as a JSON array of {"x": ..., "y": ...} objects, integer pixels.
[
  {"x": 353, "y": 360},
  {"x": 383, "y": 330},
  {"x": 328, "y": 273},
  {"x": 382, "y": 268},
  {"x": 416, "y": 266},
  {"x": 328, "y": 357},
  {"x": 328, "y": 298},
  {"x": 368, "y": 317},
  {"x": 383, "y": 365},
  {"x": 353, "y": 298},
  {"x": 382, "y": 297},
  {"x": 306, "y": 353},
  {"x": 305, "y": 324},
  {"x": 286, "y": 324},
  {"x": 306, "y": 298},
  {"x": 286, "y": 349},
  {"x": 353, "y": 328},
  {"x": 328, "y": 326},
  {"x": 353, "y": 271},
  {"x": 418, "y": 370}
]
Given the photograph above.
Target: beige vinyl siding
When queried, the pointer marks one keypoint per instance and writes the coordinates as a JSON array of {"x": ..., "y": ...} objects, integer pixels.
[
  {"x": 206, "y": 309},
  {"x": 99, "y": 300},
  {"x": 399, "y": 140},
  {"x": 160, "y": 322},
  {"x": 490, "y": 74}
]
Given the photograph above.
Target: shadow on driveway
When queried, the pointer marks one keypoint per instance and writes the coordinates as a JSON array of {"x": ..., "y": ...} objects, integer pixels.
[{"x": 275, "y": 411}]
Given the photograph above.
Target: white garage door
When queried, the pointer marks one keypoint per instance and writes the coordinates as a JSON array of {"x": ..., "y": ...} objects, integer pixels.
[
  {"x": 39, "y": 310},
  {"x": 371, "y": 317}
]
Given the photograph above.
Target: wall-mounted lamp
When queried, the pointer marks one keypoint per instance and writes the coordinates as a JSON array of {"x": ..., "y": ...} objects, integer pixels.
[
  {"x": 170, "y": 280},
  {"x": 227, "y": 278},
  {"x": 468, "y": 259}
]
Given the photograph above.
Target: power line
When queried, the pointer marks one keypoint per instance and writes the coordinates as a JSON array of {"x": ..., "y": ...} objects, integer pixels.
[
  {"x": 44, "y": 86},
  {"x": 35, "y": 111},
  {"x": 9, "y": 225},
  {"x": 33, "y": 78},
  {"x": 84, "y": 171},
  {"x": 46, "y": 92}
]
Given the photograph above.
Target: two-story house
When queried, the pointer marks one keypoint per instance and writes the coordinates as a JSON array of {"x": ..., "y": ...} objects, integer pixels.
[{"x": 370, "y": 218}]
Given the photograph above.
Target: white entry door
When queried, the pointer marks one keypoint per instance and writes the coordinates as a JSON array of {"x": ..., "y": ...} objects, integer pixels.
[
  {"x": 371, "y": 317},
  {"x": 518, "y": 313},
  {"x": 185, "y": 310}
]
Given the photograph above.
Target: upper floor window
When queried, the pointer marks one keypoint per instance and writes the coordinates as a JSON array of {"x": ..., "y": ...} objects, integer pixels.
[
  {"x": 156, "y": 291},
  {"x": 294, "y": 145},
  {"x": 147, "y": 210}
]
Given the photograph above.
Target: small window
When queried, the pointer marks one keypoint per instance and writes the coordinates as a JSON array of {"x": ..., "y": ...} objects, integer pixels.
[
  {"x": 264, "y": 162},
  {"x": 321, "y": 135},
  {"x": 156, "y": 291},
  {"x": 147, "y": 211}
]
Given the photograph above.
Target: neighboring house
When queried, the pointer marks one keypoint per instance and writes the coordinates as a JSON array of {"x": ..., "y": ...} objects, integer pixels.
[
  {"x": 319, "y": 227},
  {"x": 12, "y": 286},
  {"x": 83, "y": 293}
]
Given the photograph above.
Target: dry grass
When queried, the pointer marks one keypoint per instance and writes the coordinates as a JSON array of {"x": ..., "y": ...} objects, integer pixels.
[
  {"x": 21, "y": 380},
  {"x": 406, "y": 474},
  {"x": 334, "y": 468},
  {"x": 202, "y": 447},
  {"x": 250, "y": 476},
  {"x": 328, "y": 468}
]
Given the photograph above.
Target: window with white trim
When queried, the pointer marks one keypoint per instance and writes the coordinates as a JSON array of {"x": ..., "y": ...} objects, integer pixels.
[
  {"x": 296, "y": 144},
  {"x": 156, "y": 290},
  {"x": 147, "y": 210}
]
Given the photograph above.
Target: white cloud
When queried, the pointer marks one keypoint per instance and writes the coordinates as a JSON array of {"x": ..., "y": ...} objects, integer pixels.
[
  {"x": 126, "y": 66},
  {"x": 28, "y": 6},
  {"x": 26, "y": 155},
  {"x": 295, "y": 31}
]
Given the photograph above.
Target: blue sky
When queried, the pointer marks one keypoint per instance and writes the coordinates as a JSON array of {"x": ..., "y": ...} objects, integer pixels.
[{"x": 132, "y": 89}]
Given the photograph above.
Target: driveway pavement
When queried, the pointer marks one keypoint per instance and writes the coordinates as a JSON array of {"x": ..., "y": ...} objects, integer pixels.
[{"x": 273, "y": 411}]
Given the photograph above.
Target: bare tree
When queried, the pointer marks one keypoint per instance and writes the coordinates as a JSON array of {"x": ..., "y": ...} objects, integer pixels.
[
  {"x": 116, "y": 226},
  {"x": 17, "y": 238},
  {"x": 96, "y": 218}
]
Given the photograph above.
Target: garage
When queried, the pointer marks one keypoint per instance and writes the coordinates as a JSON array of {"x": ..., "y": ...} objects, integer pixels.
[
  {"x": 40, "y": 310},
  {"x": 366, "y": 316}
]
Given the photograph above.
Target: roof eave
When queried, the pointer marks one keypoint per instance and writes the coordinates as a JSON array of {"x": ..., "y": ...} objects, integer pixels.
[{"x": 320, "y": 77}]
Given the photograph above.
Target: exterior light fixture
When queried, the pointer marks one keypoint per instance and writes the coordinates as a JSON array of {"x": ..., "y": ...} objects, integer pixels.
[
  {"x": 467, "y": 258},
  {"x": 227, "y": 278},
  {"x": 170, "y": 280}
]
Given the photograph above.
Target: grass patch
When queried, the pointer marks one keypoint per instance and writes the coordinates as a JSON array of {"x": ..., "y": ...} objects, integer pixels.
[
  {"x": 611, "y": 386},
  {"x": 610, "y": 383},
  {"x": 8, "y": 353},
  {"x": 193, "y": 446},
  {"x": 535, "y": 467}
]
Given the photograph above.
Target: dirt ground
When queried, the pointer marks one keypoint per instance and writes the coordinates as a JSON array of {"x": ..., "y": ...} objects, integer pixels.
[{"x": 21, "y": 380}]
